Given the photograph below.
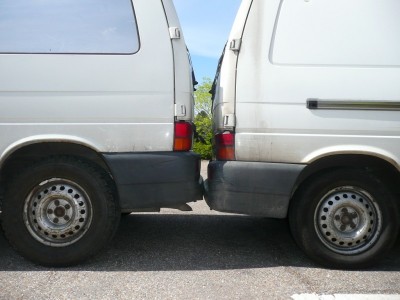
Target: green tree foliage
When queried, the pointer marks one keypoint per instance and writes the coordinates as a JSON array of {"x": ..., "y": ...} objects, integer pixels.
[
  {"x": 203, "y": 119},
  {"x": 202, "y": 97}
]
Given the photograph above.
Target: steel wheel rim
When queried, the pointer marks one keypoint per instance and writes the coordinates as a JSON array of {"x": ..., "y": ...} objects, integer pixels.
[
  {"x": 348, "y": 220},
  {"x": 57, "y": 212}
]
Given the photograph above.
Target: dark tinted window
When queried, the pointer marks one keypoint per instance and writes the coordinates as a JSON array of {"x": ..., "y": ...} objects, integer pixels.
[{"x": 67, "y": 26}]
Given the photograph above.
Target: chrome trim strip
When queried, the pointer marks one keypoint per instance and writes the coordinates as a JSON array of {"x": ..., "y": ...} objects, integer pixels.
[{"x": 313, "y": 103}]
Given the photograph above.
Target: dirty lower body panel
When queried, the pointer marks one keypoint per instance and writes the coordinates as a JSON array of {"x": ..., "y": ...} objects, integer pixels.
[
  {"x": 252, "y": 188},
  {"x": 157, "y": 179}
]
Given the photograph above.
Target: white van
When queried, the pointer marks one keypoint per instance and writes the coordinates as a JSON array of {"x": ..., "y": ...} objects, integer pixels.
[
  {"x": 96, "y": 118},
  {"x": 307, "y": 122}
]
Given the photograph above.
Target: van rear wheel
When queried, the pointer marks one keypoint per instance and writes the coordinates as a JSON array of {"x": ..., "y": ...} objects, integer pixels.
[
  {"x": 344, "y": 218},
  {"x": 59, "y": 212}
]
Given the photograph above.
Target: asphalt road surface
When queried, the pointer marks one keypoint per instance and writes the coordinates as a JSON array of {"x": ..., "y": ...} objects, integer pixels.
[{"x": 196, "y": 255}]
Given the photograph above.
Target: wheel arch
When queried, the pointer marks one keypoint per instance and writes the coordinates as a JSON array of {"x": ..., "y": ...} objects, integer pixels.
[
  {"x": 385, "y": 168},
  {"x": 25, "y": 152}
]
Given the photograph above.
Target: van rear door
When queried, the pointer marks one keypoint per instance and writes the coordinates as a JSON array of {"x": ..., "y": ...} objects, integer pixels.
[
  {"x": 225, "y": 81},
  {"x": 184, "y": 100}
]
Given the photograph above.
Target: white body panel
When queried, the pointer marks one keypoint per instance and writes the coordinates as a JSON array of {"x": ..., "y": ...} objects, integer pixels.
[
  {"x": 182, "y": 76},
  {"x": 111, "y": 103},
  {"x": 273, "y": 123},
  {"x": 225, "y": 93}
]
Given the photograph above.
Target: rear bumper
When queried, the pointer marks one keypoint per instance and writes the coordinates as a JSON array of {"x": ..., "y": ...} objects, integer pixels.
[
  {"x": 153, "y": 180},
  {"x": 252, "y": 188}
]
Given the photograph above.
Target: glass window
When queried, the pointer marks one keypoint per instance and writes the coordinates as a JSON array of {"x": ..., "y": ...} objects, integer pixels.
[{"x": 68, "y": 26}]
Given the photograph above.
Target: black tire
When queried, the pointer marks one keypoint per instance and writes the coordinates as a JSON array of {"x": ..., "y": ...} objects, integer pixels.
[
  {"x": 344, "y": 218},
  {"x": 60, "y": 212}
]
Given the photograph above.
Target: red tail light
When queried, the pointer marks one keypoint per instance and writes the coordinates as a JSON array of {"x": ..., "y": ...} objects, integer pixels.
[
  {"x": 183, "y": 134},
  {"x": 225, "y": 146}
]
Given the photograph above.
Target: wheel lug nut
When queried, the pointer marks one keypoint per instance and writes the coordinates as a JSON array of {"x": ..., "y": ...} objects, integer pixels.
[
  {"x": 66, "y": 218},
  {"x": 67, "y": 206},
  {"x": 337, "y": 217},
  {"x": 55, "y": 220},
  {"x": 57, "y": 203},
  {"x": 49, "y": 211}
]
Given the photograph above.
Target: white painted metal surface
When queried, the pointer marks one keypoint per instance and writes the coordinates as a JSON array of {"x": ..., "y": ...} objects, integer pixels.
[
  {"x": 111, "y": 103},
  {"x": 273, "y": 122},
  {"x": 224, "y": 100},
  {"x": 340, "y": 32},
  {"x": 182, "y": 70}
]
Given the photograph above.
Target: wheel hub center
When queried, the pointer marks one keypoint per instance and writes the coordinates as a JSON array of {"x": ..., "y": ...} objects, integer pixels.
[
  {"x": 346, "y": 219},
  {"x": 59, "y": 211}
]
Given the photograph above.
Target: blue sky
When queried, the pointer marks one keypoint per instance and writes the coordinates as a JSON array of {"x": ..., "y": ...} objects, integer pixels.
[{"x": 206, "y": 25}]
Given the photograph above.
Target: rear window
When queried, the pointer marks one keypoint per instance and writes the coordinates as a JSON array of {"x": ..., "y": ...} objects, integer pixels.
[{"x": 68, "y": 26}]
